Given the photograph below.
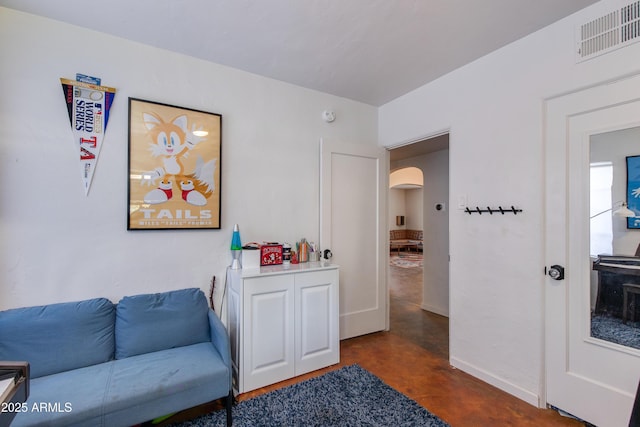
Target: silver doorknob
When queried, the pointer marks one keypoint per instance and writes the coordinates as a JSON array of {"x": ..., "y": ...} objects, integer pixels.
[{"x": 556, "y": 272}]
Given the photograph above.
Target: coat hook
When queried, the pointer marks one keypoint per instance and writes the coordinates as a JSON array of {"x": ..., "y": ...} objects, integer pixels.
[{"x": 491, "y": 210}]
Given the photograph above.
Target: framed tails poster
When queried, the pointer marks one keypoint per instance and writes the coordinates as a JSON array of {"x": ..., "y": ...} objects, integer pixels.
[{"x": 174, "y": 167}]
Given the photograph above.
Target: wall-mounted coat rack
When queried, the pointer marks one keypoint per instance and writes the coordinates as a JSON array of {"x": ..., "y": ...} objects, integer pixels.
[{"x": 491, "y": 211}]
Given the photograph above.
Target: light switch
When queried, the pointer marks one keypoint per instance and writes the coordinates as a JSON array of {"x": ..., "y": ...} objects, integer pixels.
[{"x": 462, "y": 201}]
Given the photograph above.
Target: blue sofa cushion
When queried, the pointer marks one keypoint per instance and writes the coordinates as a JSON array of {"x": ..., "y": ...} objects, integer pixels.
[
  {"x": 154, "y": 322},
  {"x": 59, "y": 337},
  {"x": 77, "y": 396},
  {"x": 163, "y": 382},
  {"x": 129, "y": 391}
]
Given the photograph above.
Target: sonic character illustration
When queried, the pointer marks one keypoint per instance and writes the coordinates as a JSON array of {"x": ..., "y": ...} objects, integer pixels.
[{"x": 171, "y": 143}]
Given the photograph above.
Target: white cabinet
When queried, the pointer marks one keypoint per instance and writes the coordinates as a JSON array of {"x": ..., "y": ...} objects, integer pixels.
[{"x": 283, "y": 322}]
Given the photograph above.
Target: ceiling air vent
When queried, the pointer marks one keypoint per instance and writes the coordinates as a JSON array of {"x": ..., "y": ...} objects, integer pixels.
[{"x": 609, "y": 32}]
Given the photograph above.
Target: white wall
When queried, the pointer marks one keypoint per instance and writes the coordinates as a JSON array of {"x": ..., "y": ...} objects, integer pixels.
[
  {"x": 397, "y": 206},
  {"x": 414, "y": 204},
  {"x": 58, "y": 245},
  {"x": 493, "y": 108},
  {"x": 408, "y": 203}
]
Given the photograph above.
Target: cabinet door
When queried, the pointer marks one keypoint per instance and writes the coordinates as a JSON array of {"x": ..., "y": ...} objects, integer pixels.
[
  {"x": 268, "y": 330},
  {"x": 316, "y": 320}
]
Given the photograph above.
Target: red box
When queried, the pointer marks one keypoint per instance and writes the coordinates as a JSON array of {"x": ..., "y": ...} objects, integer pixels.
[{"x": 270, "y": 254}]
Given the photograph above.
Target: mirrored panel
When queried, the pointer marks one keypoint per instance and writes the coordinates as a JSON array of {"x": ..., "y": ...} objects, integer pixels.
[{"x": 615, "y": 236}]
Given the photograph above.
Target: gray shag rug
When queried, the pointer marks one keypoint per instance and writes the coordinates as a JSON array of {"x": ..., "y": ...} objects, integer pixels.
[
  {"x": 613, "y": 330},
  {"x": 349, "y": 396}
]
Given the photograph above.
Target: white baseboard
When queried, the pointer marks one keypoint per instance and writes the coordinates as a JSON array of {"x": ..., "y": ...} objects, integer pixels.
[
  {"x": 512, "y": 389},
  {"x": 437, "y": 310}
]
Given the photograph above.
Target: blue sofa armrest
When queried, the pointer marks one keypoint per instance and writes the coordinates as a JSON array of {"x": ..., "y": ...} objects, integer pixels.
[{"x": 220, "y": 339}]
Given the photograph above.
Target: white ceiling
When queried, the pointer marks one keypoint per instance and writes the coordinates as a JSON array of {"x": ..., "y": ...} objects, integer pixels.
[{"x": 371, "y": 51}]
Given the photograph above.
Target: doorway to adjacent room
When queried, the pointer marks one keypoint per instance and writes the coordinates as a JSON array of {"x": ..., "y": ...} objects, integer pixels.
[{"x": 418, "y": 280}]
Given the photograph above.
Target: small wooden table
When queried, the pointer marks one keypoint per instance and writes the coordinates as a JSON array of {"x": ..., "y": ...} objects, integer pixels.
[
  {"x": 17, "y": 389},
  {"x": 401, "y": 245}
]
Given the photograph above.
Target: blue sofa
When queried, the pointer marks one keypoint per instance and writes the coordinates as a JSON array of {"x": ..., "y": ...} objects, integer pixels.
[{"x": 94, "y": 363}]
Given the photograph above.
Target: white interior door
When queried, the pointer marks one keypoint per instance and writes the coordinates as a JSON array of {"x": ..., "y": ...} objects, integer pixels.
[
  {"x": 353, "y": 209},
  {"x": 591, "y": 378}
]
